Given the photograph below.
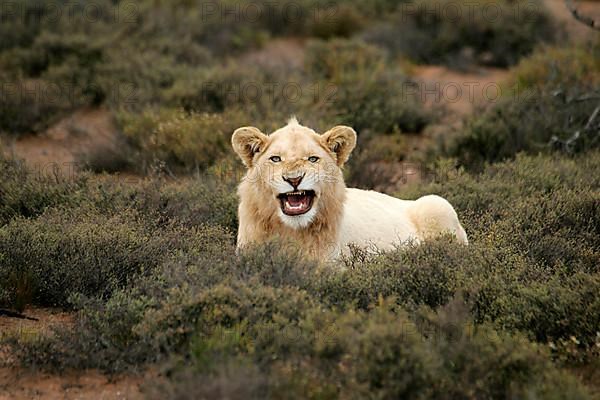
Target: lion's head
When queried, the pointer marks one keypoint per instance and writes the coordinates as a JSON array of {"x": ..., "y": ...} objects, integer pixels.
[{"x": 294, "y": 174}]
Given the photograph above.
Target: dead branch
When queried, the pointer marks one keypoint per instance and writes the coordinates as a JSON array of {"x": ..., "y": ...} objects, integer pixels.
[
  {"x": 12, "y": 314},
  {"x": 581, "y": 18},
  {"x": 592, "y": 118}
]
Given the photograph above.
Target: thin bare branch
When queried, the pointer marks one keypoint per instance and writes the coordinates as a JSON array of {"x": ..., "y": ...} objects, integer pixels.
[
  {"x": 592, "y": 118},
  {"x": 581, "y": 18},
  {"x": 12, "y": 314}
]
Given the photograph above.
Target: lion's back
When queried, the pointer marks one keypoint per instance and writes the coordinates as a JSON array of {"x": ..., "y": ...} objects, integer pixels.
[{"x": 375, "y": 219}]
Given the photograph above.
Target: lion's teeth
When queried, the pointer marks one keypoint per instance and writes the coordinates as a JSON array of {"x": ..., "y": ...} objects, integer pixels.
[{"x": 299, "y": 193}]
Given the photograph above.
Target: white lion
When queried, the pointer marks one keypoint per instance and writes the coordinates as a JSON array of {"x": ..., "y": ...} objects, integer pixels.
[{"x": 294, "y": 188}]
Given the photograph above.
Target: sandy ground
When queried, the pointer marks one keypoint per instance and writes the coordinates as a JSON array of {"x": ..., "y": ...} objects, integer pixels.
[
  {"x": 91, "y": 385},
  {"x": 283, "y": 52},
  {"x": 458, "y": 92},
  {"x": 576, "y": 30},
  {"x": 42, "y": 319},
  {"x": 16, "y": 383},
  {"x": 62, "y": 144}
]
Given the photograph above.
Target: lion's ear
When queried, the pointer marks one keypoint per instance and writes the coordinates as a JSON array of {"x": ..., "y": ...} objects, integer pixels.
[
  {"x": 341, "y": 140},
  {"x": 246, "y": 142}
]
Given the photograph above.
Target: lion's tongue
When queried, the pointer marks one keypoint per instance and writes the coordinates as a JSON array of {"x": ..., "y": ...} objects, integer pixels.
[{"x": 296, "y": 203}]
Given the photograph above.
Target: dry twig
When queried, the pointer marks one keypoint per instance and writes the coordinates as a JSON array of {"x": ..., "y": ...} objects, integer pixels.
[{"x": 581, "y": 18}]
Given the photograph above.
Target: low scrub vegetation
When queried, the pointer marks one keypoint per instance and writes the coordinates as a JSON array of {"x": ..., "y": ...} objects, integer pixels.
[
  {"x": 549, "y": 104},
  {"x": 345, "y": 81},
  {"x": 367, "y": 94},
  {"x": 186, "y": 142},
  {"x": 147, "y": 55},
  {"x": 152, "y": 271},
  {"x": 460, "y": 33}
]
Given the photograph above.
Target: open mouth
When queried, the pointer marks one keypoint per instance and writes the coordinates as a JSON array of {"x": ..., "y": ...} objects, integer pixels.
[{"x": 296, "y": 203}]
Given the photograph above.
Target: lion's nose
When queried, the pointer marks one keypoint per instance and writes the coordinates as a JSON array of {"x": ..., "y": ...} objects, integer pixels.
[{"x": 295, "y": 182}]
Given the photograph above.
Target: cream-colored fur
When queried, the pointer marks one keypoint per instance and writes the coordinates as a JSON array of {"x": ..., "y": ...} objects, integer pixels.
[{"x": 339, "y": 217}]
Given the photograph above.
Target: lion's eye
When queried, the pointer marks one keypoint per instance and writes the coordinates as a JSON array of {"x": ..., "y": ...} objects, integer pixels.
[
  {"x": 275, "y": 159},
  {"x": 313, "y": 159}
]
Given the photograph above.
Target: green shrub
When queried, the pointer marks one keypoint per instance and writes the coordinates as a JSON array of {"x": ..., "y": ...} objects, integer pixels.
[
  {"x": 109, "y": 158},
  {"x": 163, "y": 56},
  {"x": 548, "y": 104},
  {"x": 495, "y": 189},
  {"x": 558, "y": 67},
  {"x": 256, "y": 91},
  {"x": 154, "y": 284},
  {"x": 301, "y": 349},
  {"x": 198, "y": 202},
  {"x": 31, "y": 105},
  {"x": 52, "y": 76},
  {"x": 50, "y": 51},
  {"x": 103, "y": 330},
  {"x": 184, "y": 142},
  {"x": 339, "y": 20},
  {"x": 64, "y": 252},
  {"x": 369, "y": 94},
  {"x": 504, "y": 366},
  {"x": 246, "y": 20},
  {"x": 135, "y": 56},
  {"x": 374, "y": 162},
  {"x": 496, "y": 33},
  {"x": 560, "y": 308},
  {"x": 530, "y": 252},
  {"x": 16, "y": 32},
  {"x": 259, "y": 95},
  {"x": 536, "y": 123},
  {"x": 135, "y": 83},
  {"x": 339, "y": 58},
  {"x": 193, "y": 201},
  {"x": 28, "y": 192},
  {"x": 383, "y": 354}
]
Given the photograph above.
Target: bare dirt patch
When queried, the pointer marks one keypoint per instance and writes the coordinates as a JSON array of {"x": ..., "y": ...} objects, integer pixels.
[
  {"x": 575, "y": 29},
  {"x": 40, "y": 322},
  {"x": 278, "y": 53},
  {"x": 61, "y": 145},
  {"x": 459, "y": 92},
  {"x": 18, "y": 383}
]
